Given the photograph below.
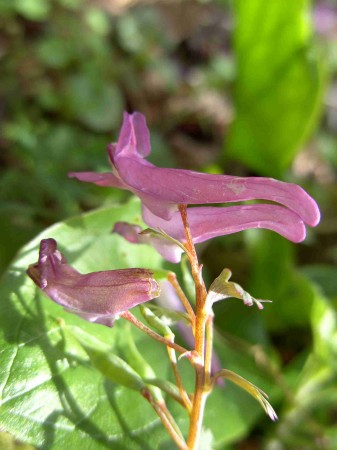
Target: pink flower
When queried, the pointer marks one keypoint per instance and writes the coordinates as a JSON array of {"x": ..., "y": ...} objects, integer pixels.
[
  {"x": 207, "y": 222},
  {"x": 162, "y": 190},
  {"x": 97, "y": 297}
]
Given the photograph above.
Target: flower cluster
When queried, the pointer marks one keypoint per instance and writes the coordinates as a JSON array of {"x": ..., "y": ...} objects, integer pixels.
[
  {"x": 101, "y": 296},
  {"x": 161, "y": 190},
  {"x": 178, "y": 207}
]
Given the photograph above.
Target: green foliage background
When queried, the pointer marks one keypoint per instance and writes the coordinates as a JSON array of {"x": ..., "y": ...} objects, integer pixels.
[{"x": 236, "y": 87}]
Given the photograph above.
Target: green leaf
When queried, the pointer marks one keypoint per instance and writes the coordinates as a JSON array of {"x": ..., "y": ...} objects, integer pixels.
[
  {"x": 109, "y": 364},
  {"x": 279, "y": 83},
  {"x": 136, "y": 360},
  {"x": 249, "y": 387},
  {"x": 222, "y": 288},
  {"x": 274, "y": 275},
  {"x": 155, "y": 322}
]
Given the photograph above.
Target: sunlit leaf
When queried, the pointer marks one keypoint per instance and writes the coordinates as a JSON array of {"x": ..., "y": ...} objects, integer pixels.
[{"x": 278, "y": 87}]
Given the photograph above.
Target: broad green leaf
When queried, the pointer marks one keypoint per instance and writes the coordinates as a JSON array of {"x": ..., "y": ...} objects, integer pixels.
[
  {"x": 108, "y": 363},
  {"x": 51, "y": 396},
  {"x": 278, "y": 87},
  {"x": 137, "y": 361}
]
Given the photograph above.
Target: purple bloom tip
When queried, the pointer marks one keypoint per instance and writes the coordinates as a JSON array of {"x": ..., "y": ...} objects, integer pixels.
[{"x": 97, "y": 297}]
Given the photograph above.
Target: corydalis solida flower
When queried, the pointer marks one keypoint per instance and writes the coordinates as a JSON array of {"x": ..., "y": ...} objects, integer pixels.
[
  {"x": 161, "y": 190},
  {"x": 208, "y": 222},
  {"x": 97, "y": 297}
]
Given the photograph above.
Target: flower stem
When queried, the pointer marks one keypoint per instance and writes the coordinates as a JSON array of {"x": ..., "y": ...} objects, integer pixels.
[
  {"x": 183, "y": 393},
  {"x": 167, "y": 420},
  {"x": 209, "y": 349},
  {"x": 197, "y": 413},
  {"x": 172, "y": 278},
  {"x": 131, "y": 318},
  {"x": 203, "y": 340}
]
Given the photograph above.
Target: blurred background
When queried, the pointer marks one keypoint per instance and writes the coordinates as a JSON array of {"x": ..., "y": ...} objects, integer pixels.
[{"x": 247, "y": 87}]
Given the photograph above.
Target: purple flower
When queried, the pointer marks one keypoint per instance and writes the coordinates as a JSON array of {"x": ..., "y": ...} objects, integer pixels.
[
  {"x": 97, "y": 297},
  {"x": 208, "y": 222},
  {"x": 325, "y": 19},
  {"x": 162, "y": 190}
]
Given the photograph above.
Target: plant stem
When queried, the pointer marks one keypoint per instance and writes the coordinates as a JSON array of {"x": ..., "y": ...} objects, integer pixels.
[
  {"x": 167, "y": 420},
  {"x": 172, "y": 278},
  {"x": 165, "y": 410},
  {"x": 209, "y": 349},
  {"x": 198, "y": 407},
  {"x": 183, "y": 393},
  {"x": 131, "y": 318},
  {"x": 203, "y": 340}
]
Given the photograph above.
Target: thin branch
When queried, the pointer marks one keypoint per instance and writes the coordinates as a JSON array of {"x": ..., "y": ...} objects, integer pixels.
[
  {"x": 172, "y": 278},
  {"x": 167, "y": 420},
  {"x": 131, "y": 318},
  {"x": 209, "y": 349},
  {"x": 179, "y": 382}
]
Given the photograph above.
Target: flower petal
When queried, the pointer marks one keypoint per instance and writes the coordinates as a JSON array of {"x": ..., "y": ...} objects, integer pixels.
[
  {"x": 97, "y": 296},
  {"x": 207, "y": 222},
  {"x": 188, "y": 187},
  {"x": 134, "y": 137},
  {"x": 101, "y": 179}
]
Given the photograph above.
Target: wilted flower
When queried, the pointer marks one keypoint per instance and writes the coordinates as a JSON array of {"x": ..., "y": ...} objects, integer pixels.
[
  {"x": 97, "y": 297},
  {"x": 162, "y": 190}
]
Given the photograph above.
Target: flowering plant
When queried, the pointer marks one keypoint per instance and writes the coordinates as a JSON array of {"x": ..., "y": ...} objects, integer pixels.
[{"x": 175, "y": 228}]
